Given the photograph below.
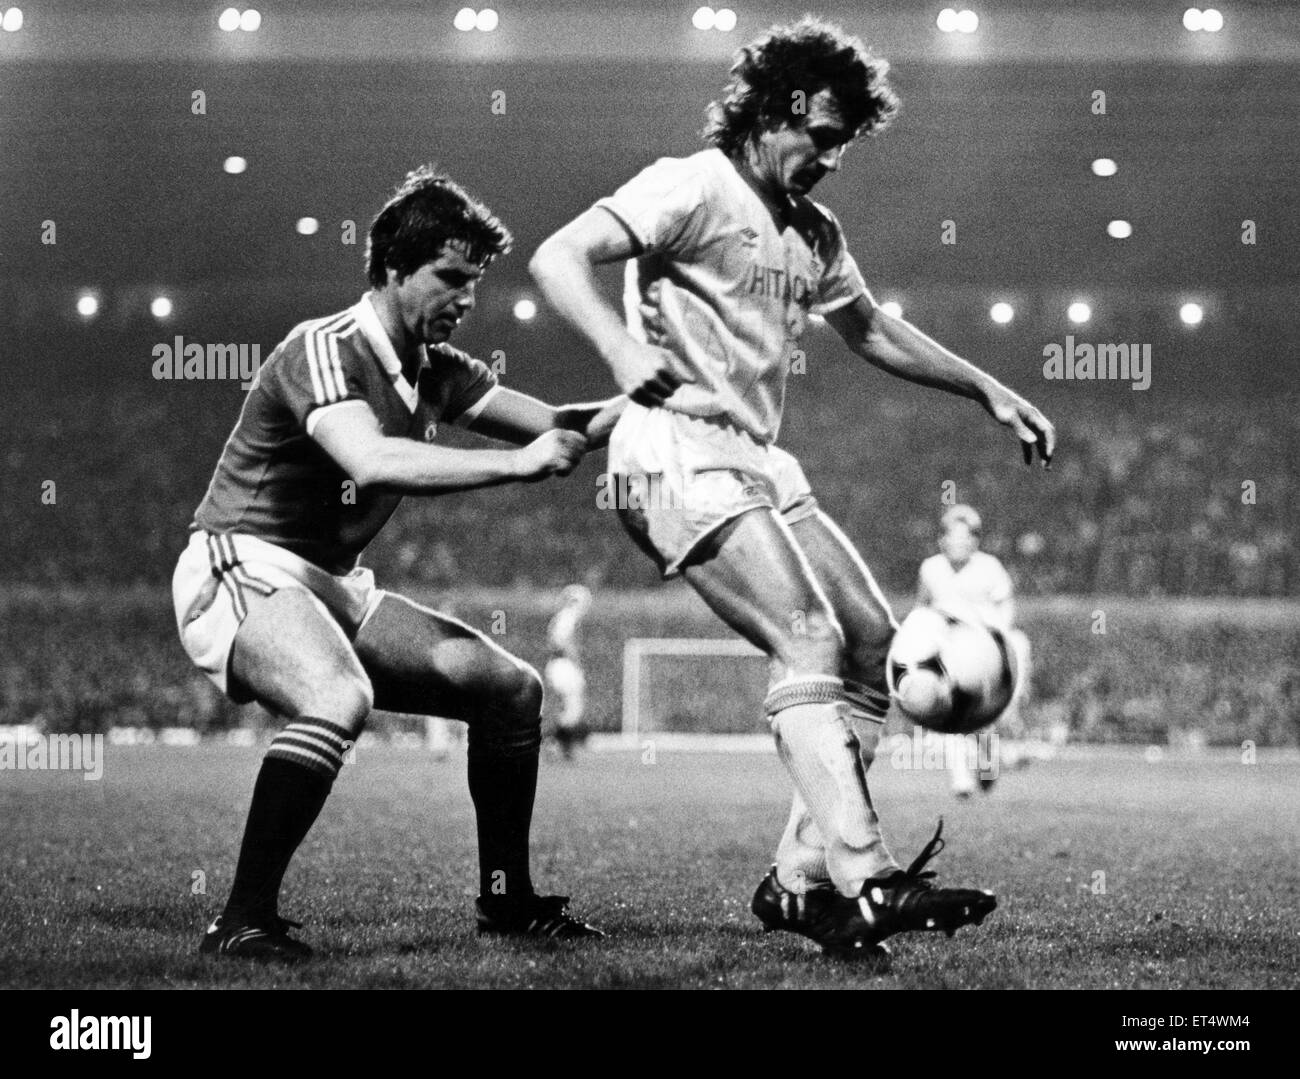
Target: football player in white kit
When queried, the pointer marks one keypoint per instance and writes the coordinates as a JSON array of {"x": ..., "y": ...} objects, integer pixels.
[
  {"x": 961, "y": 575},
  {"x": 726, "y": 259},
  {"x": 566, "y": 684}
]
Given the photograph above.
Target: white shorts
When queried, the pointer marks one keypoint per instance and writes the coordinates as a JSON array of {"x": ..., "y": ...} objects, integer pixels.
[
  {"x": 215, "y": 575},
  {"x": 680, "y": 478},
  {"x": 565, "y": 680}
]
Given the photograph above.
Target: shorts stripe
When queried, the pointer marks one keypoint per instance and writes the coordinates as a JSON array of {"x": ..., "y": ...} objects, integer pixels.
[
  {"x": 228, "y": 548},
  {"x": 215, "y": 557},
  {"x": 236, "y": 595},
  {"x": 233, "y": 576},
  {"x": 241, "y": 574}
]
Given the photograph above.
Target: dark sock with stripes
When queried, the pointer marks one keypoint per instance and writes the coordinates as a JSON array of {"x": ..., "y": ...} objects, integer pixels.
[
  {"x": 503, "y": 785},
  {"x": 291, "y": 788}
]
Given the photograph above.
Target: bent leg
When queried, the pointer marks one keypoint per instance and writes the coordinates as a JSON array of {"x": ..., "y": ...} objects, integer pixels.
[
  {"x": 863, "y": 611},
  {"x": 422, "y": 662},
  {"x": 757, "y": 578},
  {"x": 292, "y": 656},
  {"x": 855, "y": 597}
]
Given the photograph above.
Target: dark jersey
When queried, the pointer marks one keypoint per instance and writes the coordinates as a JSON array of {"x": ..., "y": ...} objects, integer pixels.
[{"x": 275, "y": 482}]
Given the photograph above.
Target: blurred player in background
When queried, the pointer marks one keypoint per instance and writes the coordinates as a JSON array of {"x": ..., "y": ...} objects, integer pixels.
[
  {"x": 270, "y": 601},
  {"x": 566, "y": 684},
  {"x": 961, "y": 575},
  {"x": 726, "y": 259}
]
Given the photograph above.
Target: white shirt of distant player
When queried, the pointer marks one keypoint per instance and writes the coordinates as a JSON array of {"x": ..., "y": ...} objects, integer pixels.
[
  {"x": 723, "y": 288},
  {"x": 563, "y": 631},
  {"x": 982, "y": 582}
]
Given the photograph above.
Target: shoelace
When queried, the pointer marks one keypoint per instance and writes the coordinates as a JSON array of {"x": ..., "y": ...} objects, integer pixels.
[{"x": 916, "y": 873}]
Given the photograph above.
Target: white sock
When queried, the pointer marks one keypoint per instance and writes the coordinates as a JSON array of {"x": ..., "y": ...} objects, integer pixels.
[
  {"x": 820, "y": 750},
  {"x": 801, "y": 855}
]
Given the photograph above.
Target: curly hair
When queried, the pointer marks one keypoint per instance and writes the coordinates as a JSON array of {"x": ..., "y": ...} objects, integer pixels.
[
  {"x": 428, "y": 211},
  {"x": 808, "y": 56}
]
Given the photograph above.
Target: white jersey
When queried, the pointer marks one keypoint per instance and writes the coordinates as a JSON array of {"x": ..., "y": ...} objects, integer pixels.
[
  {"x": 722, "y": 286},
  {"x": 982, "y": 582},
  {"x": 562, "y": 632}
]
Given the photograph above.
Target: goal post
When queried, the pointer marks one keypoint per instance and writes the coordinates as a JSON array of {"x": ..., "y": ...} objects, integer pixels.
[{"x": 717, "y": 689}]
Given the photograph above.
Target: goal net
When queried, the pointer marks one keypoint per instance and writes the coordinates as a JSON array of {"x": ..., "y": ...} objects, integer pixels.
[{"x": 694, "y": 693}]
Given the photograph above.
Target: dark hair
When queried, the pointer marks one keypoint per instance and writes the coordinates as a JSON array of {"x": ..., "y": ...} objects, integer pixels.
[
  {"x": 428, "y": 211},
  {"x": 808, "y": 56}
]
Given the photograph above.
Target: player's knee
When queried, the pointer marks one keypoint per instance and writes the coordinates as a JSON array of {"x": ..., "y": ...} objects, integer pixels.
[
  {"x": 523, "y": 696},
  {"x": 345, "y": 699},
  {"x": 869, "y": 646},
  {"x": 511, "y": 725},
  {"x": 816, "y": 643}
]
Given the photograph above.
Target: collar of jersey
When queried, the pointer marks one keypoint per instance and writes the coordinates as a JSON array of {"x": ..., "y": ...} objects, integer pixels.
[{"x": 377, "y": 338}]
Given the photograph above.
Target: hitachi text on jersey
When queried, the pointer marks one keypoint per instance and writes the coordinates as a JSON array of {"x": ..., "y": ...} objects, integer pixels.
[
  {"x": 179, "y": 360},
  {"x": 1123, "y": 362}
]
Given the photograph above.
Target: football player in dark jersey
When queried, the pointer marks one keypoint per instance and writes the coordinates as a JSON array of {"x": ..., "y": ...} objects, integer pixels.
[{"x": 270, "y": 601}]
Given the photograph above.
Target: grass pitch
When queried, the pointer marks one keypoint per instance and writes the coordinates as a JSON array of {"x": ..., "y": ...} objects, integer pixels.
[{"x": 1110, "y": 872}]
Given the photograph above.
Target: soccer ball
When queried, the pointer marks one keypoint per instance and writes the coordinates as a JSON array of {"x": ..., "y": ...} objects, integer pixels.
[{"x": 949, "y": 671}]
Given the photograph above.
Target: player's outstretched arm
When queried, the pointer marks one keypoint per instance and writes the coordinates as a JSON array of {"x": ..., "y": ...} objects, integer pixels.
[
  {"x": 898, "y": 347},
  {"x": 353, "y": 437},
  {"x": 596, "y": 420},
  {"x": 516, "y": 417},
  {"x": 564, "y": 268}
]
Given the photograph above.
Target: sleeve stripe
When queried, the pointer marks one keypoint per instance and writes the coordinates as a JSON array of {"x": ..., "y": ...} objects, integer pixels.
[
  {"x": 320, "y": 356},
  {"x": 338, "y": 367},
  {"x": 317, "y": 390},
  {"x": 327, "y": 380},
  {"x": 320, "y": 383}
]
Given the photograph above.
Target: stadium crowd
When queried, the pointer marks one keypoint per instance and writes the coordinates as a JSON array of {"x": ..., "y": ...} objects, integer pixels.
[{"x": 1184, "y": 504}]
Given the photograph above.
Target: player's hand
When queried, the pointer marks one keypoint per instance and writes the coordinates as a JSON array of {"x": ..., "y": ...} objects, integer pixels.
[
  {"x": 555, "y": 453},
  {"x": 596, "y": 420},
  {"x": 1030, "y": 425},
  {"x": 647, "y": 373}
]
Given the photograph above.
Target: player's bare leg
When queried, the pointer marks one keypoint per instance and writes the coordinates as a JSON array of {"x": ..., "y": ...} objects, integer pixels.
[
  {"x": 758, "y": 581},
  {"x": 291, "y": 655},
  {"x": 863, "y": 613},
  {"x": 894, "y": 900},
  {"x": 295, "y": 658},
  {"x": 419, "y": 660}
]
